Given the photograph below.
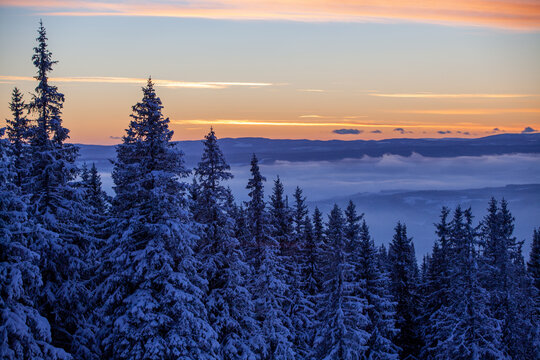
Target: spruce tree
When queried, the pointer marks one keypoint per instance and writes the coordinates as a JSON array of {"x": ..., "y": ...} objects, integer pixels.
[
  {"x": 464, "y": 325},
  {"x": 533, "y": 265},
  {"x": 437, "y": 281},
  {"x": 504, "y": 277},
  {"x": 229, "y": 303},
  {"x": 343, "y": 319},
  {"x": 152, "y": 298},
  {"x": 374, "y": 286},
  {"x": 18, "y": 132},
  {"x": 268, "y": 288},
  {"x": 24, "y": 332},
  {"x": 59, "y": 209},
  {"x": 318, "y": 226},
  {"x": 404, "y": 287},
  {"x": 299, "y": 213}
]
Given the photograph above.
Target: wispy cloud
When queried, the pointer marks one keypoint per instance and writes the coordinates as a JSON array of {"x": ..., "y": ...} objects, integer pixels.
[
  {"x": 349, "y": 117},
  {"x": 265, "y": 122},
  {"x": 376, "y": 132},
  {"x": 506, "y": 14},
  {"x": 139, "y": 81},
  {"x": 444, "y": 132},
  {"x": 451, "y": 96},
  {"x": 472, "y": 111},
  {"x": 284, "y": 122},
  {"x": 312, "y": 90}
]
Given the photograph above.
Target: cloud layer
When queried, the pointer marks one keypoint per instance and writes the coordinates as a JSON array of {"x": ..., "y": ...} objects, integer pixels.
[
  {"x": 139, "y": 81},
  {"x": 507, "y": 14}
]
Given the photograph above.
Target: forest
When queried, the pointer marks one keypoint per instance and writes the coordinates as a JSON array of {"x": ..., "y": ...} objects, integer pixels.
[{"x": 172, "y": 267}]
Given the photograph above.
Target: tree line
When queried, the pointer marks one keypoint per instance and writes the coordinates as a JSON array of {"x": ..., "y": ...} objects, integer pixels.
[{"x": 172, "y": 269}]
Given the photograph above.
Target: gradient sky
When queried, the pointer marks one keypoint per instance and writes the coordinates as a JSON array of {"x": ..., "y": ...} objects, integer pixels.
[{"x": 285, "y": 69}]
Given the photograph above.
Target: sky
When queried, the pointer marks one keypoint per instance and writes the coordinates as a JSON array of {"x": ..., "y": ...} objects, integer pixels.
[{"x": 294, "y": 69}]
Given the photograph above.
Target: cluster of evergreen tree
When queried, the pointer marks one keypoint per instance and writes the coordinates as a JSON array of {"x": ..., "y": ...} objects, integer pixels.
[{"x": 174, "y": 270}]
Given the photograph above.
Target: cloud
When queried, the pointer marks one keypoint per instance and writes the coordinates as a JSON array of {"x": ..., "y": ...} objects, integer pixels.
[
  {"x": 442, "y": 132},
  {"x": 452, "y": 96},
  {"x": 141, "y": 81},
  {"x": 347, "y": 131},
  {"x": 402, "y": 131},
  {"x": 376, "y": 132},
  {"x": 251, "y": 122},
  {"x": 312, "y": 90},
  {"x": 528, "y": 129},
  {"x": 472, "y": 111},
  {"x": 115, "y": 137},
  {"x": 496, "y": 129},
  {"x": 505, "y": 14}
]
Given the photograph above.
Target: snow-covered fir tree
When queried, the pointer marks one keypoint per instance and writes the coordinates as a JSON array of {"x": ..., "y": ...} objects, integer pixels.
[
  {"x": 228, "y": 301},
  {"x": 404, "y": 287},
  {"x": 533, "y": 265},
  {"x": 504, "y": 277},
  {"x": 464, "y": 327},
  {"x": 57, "y": 206},
  {"x": 374, "y": 286},
  {"x": 268, "y": 288},
  {"x": 152, "y": 298},
  {"x": 96, "y": 196},
  {"x": 18, "y": 132},
  {"x": 343, "y": 319},
  {"x": 436, "y": 282},
  {"x": 24, "y": 332}
]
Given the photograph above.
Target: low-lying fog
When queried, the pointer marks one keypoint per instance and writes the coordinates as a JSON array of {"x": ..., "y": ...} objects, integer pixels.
[{"x": 327, "y": 182}]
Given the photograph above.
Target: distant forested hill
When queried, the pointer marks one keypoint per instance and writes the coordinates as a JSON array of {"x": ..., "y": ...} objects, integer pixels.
[{"x": 239, "y": 150}]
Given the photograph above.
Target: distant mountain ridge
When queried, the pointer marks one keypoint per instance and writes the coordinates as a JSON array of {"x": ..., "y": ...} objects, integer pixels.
[{"x": 238, "y": 150}]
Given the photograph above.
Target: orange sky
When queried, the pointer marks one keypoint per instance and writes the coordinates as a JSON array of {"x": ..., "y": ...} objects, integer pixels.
[{"x": 285, "y": 69}]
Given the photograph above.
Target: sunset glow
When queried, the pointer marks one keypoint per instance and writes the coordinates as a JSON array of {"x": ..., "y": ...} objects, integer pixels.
[{"x": 285, "y": 69}]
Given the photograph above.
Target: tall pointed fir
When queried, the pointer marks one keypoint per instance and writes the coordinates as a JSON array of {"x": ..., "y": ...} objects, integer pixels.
[
  {"x": 229, "y": 303},
  {"x": 152, "y": 299},
  {"x": 18, "y": 132},
  {"x": 58, "y": 208},
  {"x": 268, "y": 287},
  {"x": 24, "y": 332},
  {"x": 374, "y": 286},
  {"x": 343, "y": 319},
  {"x": 505, "y": 278},
  {"x": 436, "y": 284},
  {"x": 533, "y": 265},
  {"x": 404, "y": 288},
  {"x": 304, "y": 287},
  {"x": 464, "y": 326}
]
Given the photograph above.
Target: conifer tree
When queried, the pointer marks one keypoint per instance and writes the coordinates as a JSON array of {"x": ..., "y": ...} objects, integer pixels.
[
  {"x": 18, "y": 132},
  {"x": 436, "y": 282},
  {"x": 404, "y": 288},
  {"x": 299, "y": 213},
  {"x": 256, "y": 214},
  {"x": 24, "y": 332},
  {"x": 59, "y": 209},
  {"x": 533, "y": 265},
  {"x": 228, "y": 301},
  {"x": 152, "y": 297},
  {"x": 504, "y": 277},
  {"x": 268, "y": 287},
  {"x": 343, "y": 320},
  {"x": 374, "y": 286},
  {"x": 318, "y": 226},
  {"x": 464, "y": 325}
]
